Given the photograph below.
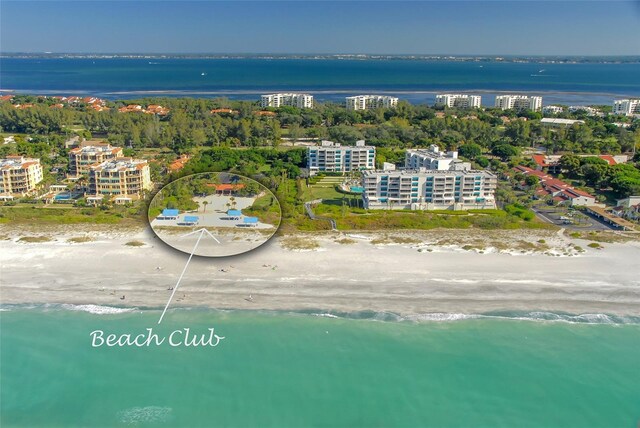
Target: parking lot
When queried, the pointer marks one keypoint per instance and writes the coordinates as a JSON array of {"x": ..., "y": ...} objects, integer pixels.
[{"x": 569, "y": 218}]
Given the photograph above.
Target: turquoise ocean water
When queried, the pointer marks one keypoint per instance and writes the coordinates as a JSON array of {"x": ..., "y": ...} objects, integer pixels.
[
  {"x": 415, "y": 81},
  {"x": 292, "y": 370}
]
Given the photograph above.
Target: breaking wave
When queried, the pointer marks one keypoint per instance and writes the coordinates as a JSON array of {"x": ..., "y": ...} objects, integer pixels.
[
  {"x": 97, "y": 309},
  {"x": 538, "y": 316}
]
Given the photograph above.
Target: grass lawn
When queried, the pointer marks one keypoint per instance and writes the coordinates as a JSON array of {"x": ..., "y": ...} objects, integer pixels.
[
  {"x": 266, "y": 208},
  {"x": 320, "y": 190}
]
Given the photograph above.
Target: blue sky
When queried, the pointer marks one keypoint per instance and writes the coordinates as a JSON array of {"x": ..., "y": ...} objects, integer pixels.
[{"x": 393, "y": 27}]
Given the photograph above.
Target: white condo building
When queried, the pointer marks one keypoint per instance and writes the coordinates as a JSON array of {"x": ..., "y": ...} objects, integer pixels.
[
  {"x": 434, "y": 159},
  {"x": 626, "y": 107},
  {"x": 294, "y": 100},
  {"x": 553, "y": 109},
  {"x": 458, "y": 100},
  {"x": 423, "y": 189},
  {"x": 518, "y": 102},
  {"x": 333, "y": 157},
  {"x": 368, "y": 102}
]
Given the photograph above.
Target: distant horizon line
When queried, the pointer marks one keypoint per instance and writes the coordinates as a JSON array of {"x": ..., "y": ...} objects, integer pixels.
[{"x": 14, "y": 53}]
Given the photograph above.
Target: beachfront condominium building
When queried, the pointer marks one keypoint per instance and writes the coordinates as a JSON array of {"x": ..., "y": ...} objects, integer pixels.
[
  {"x": 81, "y": 158},
  {"x": 458, "y": 100},
  {"x": 294, "y": 100},
  {"x": 20, "y": 175},
  {"x": 120, "y": 177},
  {"x": 334, "y": 157},
  {"x": 424, "y": 189},
  {"x": 518, "y": 102},
  {"x": 369, "y": 102},
  {"x": 433, "y": 158},
  {"x": 626, "y": 107}
]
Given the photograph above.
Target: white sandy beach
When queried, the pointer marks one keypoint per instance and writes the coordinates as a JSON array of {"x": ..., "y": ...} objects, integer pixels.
[{"x": 428, "y": 272}]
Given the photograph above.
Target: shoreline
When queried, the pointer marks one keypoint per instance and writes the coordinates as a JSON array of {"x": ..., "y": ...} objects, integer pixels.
[
  {"x": 407, "y": 273},
  {"x": 425, "y": 96},
  {"x": 365, "y": 315}
]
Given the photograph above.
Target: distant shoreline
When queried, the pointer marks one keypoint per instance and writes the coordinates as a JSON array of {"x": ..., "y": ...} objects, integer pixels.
[
  {"x": 542, "y": 59},
  {"x": 416, "y": 97}
]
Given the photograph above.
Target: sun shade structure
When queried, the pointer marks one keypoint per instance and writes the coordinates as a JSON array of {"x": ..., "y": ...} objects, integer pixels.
[
  {"x": 170, "y": 213},
  {"x": 191, "y": 219}
]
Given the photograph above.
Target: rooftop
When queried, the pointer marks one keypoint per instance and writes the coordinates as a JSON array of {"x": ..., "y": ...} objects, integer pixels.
[
  {"x": 17, "y": 162},
  {"x": 120, "y": 164},
  {"x": 557, "y": 121},
  {"x": 424, "y": 171},
  {"x": 101, "y": 148}
]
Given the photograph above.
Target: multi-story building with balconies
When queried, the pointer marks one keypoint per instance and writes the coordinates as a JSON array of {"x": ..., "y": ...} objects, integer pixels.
[
  {"x": 19, "y": 175},
  {"x": 423, "y": 189},
  {"x": 433, "y": 158},
  {"x": 288, "y": 99},
  {"x": 123, "y": 178},
  {"x": 334, "y": 157},
  {"x": 81, "y": 158},
  {"x": 459, "y": 100},
  {"x": 626, "y": 107},
  {"x": 369, "y": 102},
  {"x": 518, "y": 102}
]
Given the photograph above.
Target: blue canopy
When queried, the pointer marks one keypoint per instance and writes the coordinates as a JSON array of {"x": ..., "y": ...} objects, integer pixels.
[
  {"x": 170, "y": 213},
  {"x": 237, "y": 213},
  {"x": 250, "y": 220},
  {"x": 191, "y": 219}
]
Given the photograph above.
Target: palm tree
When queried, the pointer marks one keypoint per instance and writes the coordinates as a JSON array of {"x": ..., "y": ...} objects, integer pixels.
[{"x": 205, "y": 203}]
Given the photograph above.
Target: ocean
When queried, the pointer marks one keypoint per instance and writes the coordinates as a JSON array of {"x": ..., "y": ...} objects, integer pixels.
[
  {"x": 328, "y": 80},
  {"x": 276, "y": 369}
]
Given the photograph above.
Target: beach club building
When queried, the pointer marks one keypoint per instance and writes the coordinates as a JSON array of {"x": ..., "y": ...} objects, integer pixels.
[
  {"x": 124, "y": 179},
  {"x": 334, "y": 157},
  {"x": 370, "y": 102},
  {"x": 287, "y": 99},
  {"x": 518, "y": 102},
  {"x": 458, "y": 100},
  {"x": 19, "y": 175},
  {"x": 429, "y": 189},
  {"x": 81, "y": 158}
]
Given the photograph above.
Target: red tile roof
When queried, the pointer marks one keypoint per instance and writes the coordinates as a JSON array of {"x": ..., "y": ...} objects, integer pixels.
[
  {"x": 610, "y": 160},
  {"x": 223, "y": 187},
  {"x": 540, "y": 160},
  {"x": 552, "y": 185}
]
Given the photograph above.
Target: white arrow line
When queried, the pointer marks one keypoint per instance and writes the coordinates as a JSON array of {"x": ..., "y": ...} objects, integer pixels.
[{"x": 202, "y": 232}]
